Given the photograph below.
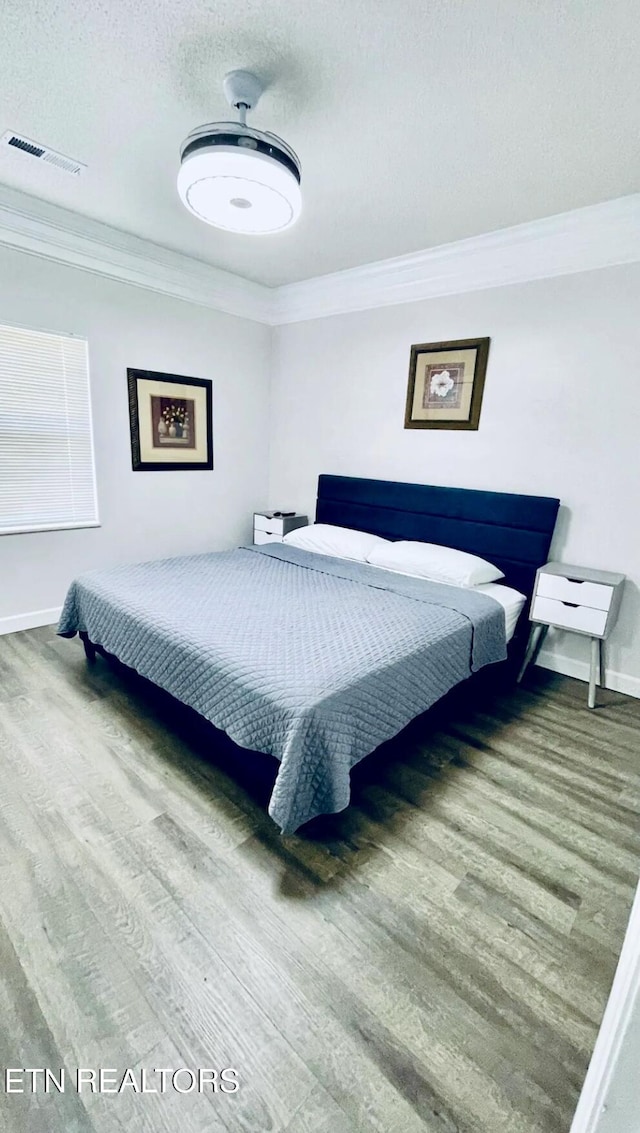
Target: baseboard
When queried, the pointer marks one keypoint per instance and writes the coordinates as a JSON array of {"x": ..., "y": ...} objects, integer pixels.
[
  {"x": 625, "y": 993},
  {"x": 31, "y": 620},
  {"x": 571, "y": 667}
]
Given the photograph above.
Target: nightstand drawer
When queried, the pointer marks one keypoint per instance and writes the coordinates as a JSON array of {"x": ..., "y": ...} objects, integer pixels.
[
  {"x": 556, "y": 613},
  {"x": 275, "y": 525},
  {"x": 267, "y": 537},
  {"x": 571, "y": 590}
]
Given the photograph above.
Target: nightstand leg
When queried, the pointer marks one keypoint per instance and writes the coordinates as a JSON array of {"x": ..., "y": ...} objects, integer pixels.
[
  {"x": 539, "y": 643},
  {"x": 595, "y": 664},
  {"x": 534, "y": 645},
  {"x": 601, "y": 664}
]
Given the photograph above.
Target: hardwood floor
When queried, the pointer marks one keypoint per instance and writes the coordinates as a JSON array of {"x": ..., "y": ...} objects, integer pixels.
[{"x": 438, "y": 957}]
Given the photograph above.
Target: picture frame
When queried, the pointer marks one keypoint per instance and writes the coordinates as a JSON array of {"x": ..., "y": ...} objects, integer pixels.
[
  {"x": 171, "y": 422},
  {"x": 446, "y": 384}
]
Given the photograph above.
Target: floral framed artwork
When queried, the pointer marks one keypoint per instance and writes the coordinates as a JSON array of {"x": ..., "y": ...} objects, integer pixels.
[
  {"x": 446, "y": 383},
  {"x": 171, "y": 419}
]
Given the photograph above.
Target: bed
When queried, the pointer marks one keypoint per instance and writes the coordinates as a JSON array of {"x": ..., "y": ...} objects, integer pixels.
[{"x": 317, "y": 660}]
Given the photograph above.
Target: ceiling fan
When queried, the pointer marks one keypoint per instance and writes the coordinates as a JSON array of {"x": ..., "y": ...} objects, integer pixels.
[{"x": 238, "y": 178}]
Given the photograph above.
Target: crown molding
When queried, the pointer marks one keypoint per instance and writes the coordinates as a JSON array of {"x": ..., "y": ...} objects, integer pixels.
[
  {"x": 598, "y": 236},
  {"x": 55, "y": 233}
]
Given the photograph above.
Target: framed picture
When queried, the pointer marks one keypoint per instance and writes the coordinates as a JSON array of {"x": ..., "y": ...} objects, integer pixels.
[
  {"x": 446, "y": 381},
  {"x": 171, "y": 420}
]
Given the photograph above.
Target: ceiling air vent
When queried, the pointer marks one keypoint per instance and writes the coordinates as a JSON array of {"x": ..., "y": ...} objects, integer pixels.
[{"x": 27, "y": 148}]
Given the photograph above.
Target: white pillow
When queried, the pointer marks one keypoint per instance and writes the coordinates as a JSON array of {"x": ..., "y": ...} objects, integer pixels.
[
  {"x": 430, "y": 560},
  {"x": 342, "y": 542}
]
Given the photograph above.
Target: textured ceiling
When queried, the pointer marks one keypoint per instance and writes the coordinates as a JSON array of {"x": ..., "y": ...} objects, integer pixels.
[{"x": 417, "y": 122}]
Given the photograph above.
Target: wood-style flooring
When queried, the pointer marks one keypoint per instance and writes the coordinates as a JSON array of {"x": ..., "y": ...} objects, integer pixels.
[{"x": 438, "y": 957}]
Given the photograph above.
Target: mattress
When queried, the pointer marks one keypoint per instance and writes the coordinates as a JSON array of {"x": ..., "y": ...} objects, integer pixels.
[{"x": 512, "y": 602}]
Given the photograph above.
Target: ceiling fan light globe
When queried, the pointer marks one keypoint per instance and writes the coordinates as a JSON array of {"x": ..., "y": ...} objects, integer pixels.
[{"x": 239, "y": 189}]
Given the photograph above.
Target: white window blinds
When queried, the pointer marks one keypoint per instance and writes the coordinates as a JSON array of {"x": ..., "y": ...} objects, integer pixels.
[{"x": 47, "y": 478}]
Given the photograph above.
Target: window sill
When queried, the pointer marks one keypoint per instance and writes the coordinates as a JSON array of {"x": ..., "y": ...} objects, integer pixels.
[{"x": 34, "y": 528}]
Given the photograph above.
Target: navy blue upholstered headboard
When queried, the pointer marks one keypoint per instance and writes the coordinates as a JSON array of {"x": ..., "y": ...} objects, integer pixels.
[{"x": 512, "y": 531}]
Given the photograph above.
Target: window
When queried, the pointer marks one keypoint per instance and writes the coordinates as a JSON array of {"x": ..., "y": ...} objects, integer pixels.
[{"x": 47, "y": 475}]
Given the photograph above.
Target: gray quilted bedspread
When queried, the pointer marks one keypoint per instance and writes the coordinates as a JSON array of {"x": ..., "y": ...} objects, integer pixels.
[{"x": 314, "y": 659}]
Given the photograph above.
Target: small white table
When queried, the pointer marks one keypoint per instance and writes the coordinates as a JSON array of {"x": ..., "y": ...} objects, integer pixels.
[
  {"x": 580, "y": 600},
  {"x": 272, "y": 526}
]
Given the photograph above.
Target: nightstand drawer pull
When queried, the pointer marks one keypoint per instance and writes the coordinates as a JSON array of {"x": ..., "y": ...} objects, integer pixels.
[
  {"x": 582, "y": 593},
  {"x": 260, "y": 537},
  {"x": 270, "y": 524},
  {"x": 584, "y": 619},
  {"x": 574, "y": 605}
]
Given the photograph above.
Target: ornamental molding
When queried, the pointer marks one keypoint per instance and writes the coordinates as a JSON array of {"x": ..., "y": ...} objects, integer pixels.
[{"x": 598, "y": 236}]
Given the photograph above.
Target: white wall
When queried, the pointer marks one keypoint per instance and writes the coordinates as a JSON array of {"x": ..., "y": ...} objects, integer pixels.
[
  {"x": 609, "y": 1099},
  {"x": 144, "y": 515},
  {"x": 620, "y": 1111},
  {"x": 561, "y": 417}
]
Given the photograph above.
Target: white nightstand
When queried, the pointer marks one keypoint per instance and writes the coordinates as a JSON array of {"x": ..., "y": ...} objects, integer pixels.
[
  {"x": 272, "y": 526},
  {"x": 578, "y": 599}
]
